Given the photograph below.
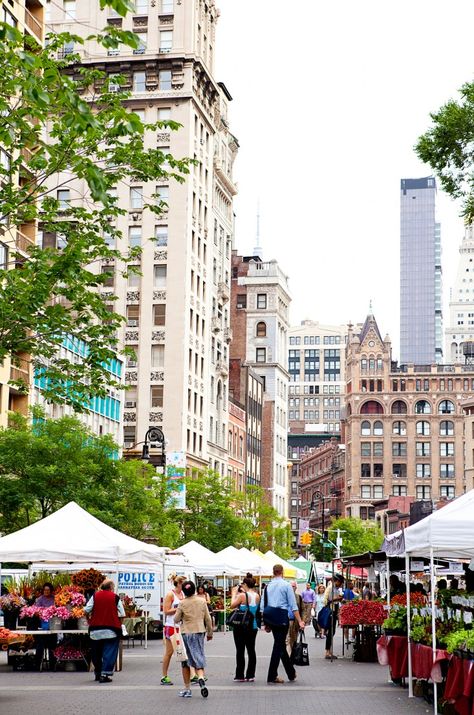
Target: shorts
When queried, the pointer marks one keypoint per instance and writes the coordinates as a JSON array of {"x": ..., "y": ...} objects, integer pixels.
[{"x": 169, "y": 631}]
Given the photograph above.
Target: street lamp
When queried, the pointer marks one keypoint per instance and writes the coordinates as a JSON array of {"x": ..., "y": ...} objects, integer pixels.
[
  {"x": 153, "y": 436},
  {"x": 319, "y": 496}
]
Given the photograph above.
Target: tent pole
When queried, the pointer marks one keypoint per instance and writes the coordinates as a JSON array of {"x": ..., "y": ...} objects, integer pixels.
[
  {"x": 433, "y": 628},
  {"x": 387, "y": 576},
  {"x": 410, "y": 668},
  {"x": 225, "y": 614}
]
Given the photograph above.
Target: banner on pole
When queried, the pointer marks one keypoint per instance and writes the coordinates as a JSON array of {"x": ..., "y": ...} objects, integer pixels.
[{"x": 175, "y": 473}]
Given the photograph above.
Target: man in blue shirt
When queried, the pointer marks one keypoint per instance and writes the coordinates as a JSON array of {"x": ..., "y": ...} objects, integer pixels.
[{"x": 279, "y": 595}]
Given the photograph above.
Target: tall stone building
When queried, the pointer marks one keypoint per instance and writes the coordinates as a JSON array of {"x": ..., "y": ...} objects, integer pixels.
[
  {"x": 421, "y": 315},
  {"x": 28, "y": 17},
  {"x": 177, "y": 310},
  {"x": 260, "y": 304},
  {"x": 405, "y": 425},
  {"x": 460, "y": 329}
]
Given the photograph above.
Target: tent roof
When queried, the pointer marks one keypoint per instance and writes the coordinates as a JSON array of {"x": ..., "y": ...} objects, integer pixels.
[
  {"x": 289, "y": 571},
  {"x": 449, "y": 531},
  {"x": 206, "y": 563},
  {"x": 73, "y": 535}
]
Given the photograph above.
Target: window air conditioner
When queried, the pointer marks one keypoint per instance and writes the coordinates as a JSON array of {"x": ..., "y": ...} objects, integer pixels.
[
  {"x": 130, "y": 403},
  {"x": 132, "y": 363},
  {"x": 132, "y": 323}
]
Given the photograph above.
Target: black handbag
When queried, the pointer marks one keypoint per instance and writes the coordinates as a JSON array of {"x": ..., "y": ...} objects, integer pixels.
[
  {"x": 300, "y": 652},
  {"x": 239, "y": 618},
  {"x": 273, "y": 616}
]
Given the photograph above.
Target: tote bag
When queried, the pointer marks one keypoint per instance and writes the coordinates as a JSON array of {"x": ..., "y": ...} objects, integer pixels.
[
  {"x": 300, "y": 652},
  {"x": 324, "y": 616},
  {"x": 273, "y": 616},
  {"x": 178, "y": 646},
  {"x": 239, "y": 618}
]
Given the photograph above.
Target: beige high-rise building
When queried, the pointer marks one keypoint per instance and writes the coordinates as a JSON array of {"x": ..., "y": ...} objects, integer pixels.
[
  {"x": 177, "y": 310},
  {"x": 28, "y": 17}
]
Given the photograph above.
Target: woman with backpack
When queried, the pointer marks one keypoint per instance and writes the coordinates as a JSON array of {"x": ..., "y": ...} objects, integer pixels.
[{"x": 245, "y": 597}]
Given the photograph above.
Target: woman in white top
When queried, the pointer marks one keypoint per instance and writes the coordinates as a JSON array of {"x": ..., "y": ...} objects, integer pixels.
[{"x": 170, "y": 606}]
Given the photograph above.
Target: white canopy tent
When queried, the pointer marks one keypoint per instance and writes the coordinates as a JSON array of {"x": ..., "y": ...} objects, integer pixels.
[{"x": 447, "y": 533}]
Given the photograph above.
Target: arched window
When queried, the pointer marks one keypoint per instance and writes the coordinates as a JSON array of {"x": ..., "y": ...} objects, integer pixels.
[
  {"x": 399, "y": 407},
  {"x": 423, "y": 407},
  {"x": 365, "y": 428},
  {"x": 399, "y": 428},
  {"x": 446, "y": 428},
  {"x": 261, "y": 329},
  {"x": 423, "y": 428},
  {"x": 371, "y": 407},
  {"x": 378, "y": 428},
  {"x": 446, "y": 407}
]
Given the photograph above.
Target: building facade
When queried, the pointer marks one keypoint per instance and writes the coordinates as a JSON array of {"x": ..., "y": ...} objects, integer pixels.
[
  {"x": 421, "y": 329},
  {"x": 27, "y": 16},
  {"x": 460, "y": 329},
  {"x": 237, "y": 445},
  {"x": 468, "y": 408},
  {"x": 246, "y": 390},
  {"x": 177, "y": 308},
  {"x": 322, "y": 476},
  {"x": 405, "y": 425},
  {"x": 316, "y": 364},
  {"x": 260, "y": 305}
]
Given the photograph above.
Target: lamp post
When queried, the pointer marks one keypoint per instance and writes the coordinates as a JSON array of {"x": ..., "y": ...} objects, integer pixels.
[
  {"x": 153, "y": 436},
  {"x": 312, "y": 507}
]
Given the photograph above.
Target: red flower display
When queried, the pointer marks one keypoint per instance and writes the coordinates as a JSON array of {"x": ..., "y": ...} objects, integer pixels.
[{"x": 366, "y": 613}]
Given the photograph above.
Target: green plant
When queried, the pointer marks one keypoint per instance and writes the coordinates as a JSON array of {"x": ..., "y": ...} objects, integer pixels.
[
  {"x": 397, "y": 620},
  {"x": 457, "y": 640}
]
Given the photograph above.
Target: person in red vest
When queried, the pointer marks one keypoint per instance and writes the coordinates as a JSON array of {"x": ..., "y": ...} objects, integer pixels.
[{"x": 105, "y": 611}]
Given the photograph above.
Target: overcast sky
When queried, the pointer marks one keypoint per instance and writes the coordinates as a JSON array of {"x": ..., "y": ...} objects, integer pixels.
[{"x": 329, "y": 99}]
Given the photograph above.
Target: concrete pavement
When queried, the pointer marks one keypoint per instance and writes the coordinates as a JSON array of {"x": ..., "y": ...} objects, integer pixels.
[{"x": 323, "y": 688}]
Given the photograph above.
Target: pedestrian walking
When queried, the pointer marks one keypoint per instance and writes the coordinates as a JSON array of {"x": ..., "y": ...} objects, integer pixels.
[
  {"x": 332, "y": 598},
  {"x": 193, "y": 616},
  {"x": 276, "y": 603},
  {"x": 308, "y": 597},
  {"x": 170, "y": 604},
  {"x": 367, "y": 593},
  {"x": 105, "y": 611},
  {"x": 245, "y": 597},
  {"x": 318, "y": 604},
  {"x": 294, "y": 628}
]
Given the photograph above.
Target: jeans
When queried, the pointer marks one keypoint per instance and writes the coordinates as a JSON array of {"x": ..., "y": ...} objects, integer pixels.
[
  {"x": 244, "y": 638},
  {"x": 104, "y": 655},
  {"x": 279, "y": 652}
]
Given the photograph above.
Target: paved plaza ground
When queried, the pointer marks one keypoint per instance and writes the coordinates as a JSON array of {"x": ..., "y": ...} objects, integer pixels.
[{"x": 323, "y": 688}]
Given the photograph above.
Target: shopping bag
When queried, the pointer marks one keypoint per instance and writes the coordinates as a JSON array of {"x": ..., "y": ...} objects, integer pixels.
[
  {"x": 178, "y": 646},
  {"x": 324, "y": 617},
  {"x": 300, "y": 652}
]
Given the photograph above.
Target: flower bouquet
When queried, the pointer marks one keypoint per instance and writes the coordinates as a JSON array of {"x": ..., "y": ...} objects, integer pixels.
[
  {"x": 67, "y": 651},
  {"x": 12, "y": 602},
  {"x": 130, "y": 607},
  {"x": 69, "y": 596},
  {"x": 87, "y": 580}
]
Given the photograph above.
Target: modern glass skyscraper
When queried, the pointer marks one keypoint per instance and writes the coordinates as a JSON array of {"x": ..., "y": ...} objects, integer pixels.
[{"x": 421, "y": 332}]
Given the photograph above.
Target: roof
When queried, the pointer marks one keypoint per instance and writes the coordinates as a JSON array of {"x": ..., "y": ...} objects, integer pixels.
[{"x": 370, "y": 322}]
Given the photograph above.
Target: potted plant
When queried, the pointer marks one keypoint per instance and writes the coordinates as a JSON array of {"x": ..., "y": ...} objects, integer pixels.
[{"x": 11, "y": 604}]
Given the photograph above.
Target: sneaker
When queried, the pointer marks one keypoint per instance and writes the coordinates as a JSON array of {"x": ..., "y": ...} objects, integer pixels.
[
  {"x": 185, "y": 693},
  {"x": 166, "y": 680},
  {"x": 204, "y": 690},
  {"x": 239, "y": 680},
  {"x": 250, "y": 680},
  {"x": 194, "y": 680}
]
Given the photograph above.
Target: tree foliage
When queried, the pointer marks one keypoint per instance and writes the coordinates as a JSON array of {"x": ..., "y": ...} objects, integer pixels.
[
  {"x": 62, "y": 124},
  {"x": 358, "y": 536},
  {"x": 448, "y": 147}
]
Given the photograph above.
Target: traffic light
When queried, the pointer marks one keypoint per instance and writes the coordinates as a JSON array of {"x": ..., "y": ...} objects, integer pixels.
[
  {"x": 325, "y": 535},
  {"x": 306, "y": 538}
]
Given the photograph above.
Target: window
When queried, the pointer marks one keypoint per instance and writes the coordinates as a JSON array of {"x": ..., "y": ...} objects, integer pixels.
[
  {"x": 378, "y": 428},
  {"x": 446, "y": 449},
  {"x": 365, "y": 449},
  {"x": 136, "y": 197},
  {"x": 261, "y": 355},
  {"x": 365, "y": 429},
  {"x": 161, "y": 235},
  {"x": 423, "y": 407},
  {"x": 423, "y": 449},
  {"x": 371, "y": 408},
  {"x": 423, "y": 428},
  {"x": 399, "y": 471},
  {"x": 378, "y": 491},
  {"x": 68, "y": 48},
  {"x": 378, "y": 449},
  {"x": 69, "y": 9},
  {"x": 162, "y": 196},
  {"x": 446, "y": 428},
  {"x": 133, "y": 280},
  {"x": 139, "y": 81},
  {"x": 164, "y": 79},
  {"x": 399, "y": 428},
  {"x": 261, "y": 301},
  {"x": 141, "y": 7},
  {"x": 159, "y": 278},
  {"x": 399, "y": 407},
  {"x": 399, "y": 449},
  {"x": 399, "y": 490},
  {"x": 134, "y": 236},
  {"x": 446, "y": 471},
  {"x": 241, "y": 301},
  {"x": 157, "y": 396},
  {"x": 159, "y": 314},
  {"x": 423, "y": 492},
  {"x": 64, "y": 197},
  {"x": 8, "y": 18},
  {"x": 166, "y": 40},
  {"x": 157, "y": 355},
  {"x": 446, "y": 491},
  {"x": 164, "y": 114},
  {"x": 423, "y": 471},
  {"x": 108, "y": 272},
  {"x": 140, "y": 50},
  {"x": 446, "y": 407},
  {"x": 365, "y": 491},
  {"x": 167, "y": 7},
  {"x": 261, "y": 330},
  {"x": 133, "y": 316},
  {"x": 132, "y": 361},
  {"x": 3, "y": 257},
  {"x": 129, "y": 439},
  {"x": 365, "y": 471}
]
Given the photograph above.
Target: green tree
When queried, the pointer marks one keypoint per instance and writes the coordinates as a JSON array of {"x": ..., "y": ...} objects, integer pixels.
[
  {"x": 62, "y": 123},
  {"x": 358, "y": 536},
  {"x": 45, "y": 465},
  {"x": 269, "y": 529},
  {"x": 448, "y": 147}
]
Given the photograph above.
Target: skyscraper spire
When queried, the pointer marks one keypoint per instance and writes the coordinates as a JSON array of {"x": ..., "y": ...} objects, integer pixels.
[{"x": 258, "y": 250}]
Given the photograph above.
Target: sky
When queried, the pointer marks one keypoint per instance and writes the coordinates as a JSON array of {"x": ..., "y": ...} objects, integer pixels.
[{"x": 329, "y": 99}]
